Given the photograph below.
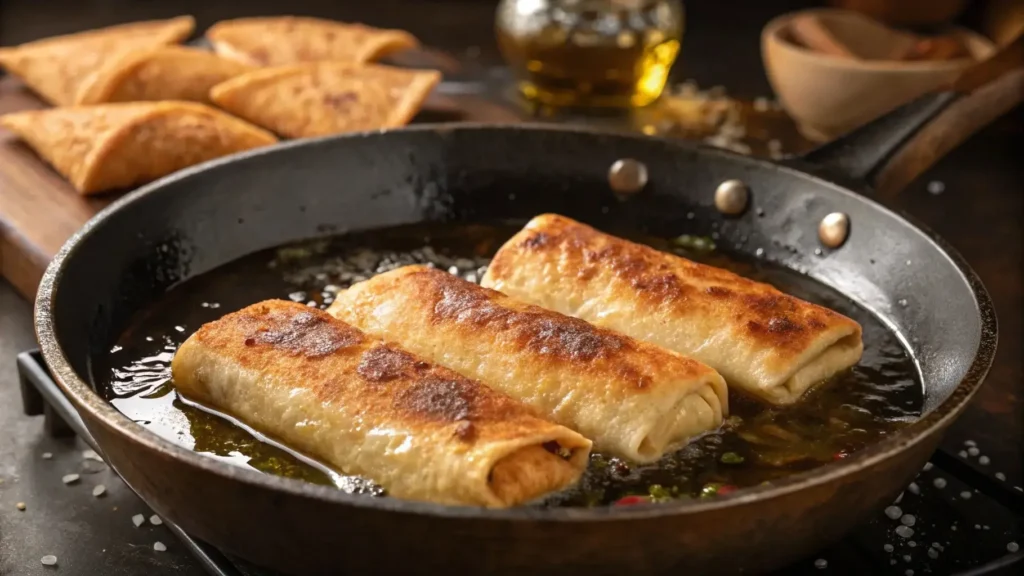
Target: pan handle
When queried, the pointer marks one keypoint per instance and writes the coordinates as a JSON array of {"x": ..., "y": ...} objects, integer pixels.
[{"x": 890, "y": 152}]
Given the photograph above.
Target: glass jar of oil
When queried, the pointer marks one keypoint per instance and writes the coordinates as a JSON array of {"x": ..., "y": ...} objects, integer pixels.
[{"x": 590, "y": 53}]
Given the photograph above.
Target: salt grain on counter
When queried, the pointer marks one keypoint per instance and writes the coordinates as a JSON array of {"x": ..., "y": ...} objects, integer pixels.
[
  {"x": 47, "y": 455},
  {"x": 893, "y": 512},
  {"x": 821, "y": 563},
  {"x": 908, "y": 520},
  {"x": 20, "y": 506},
  {"x": 49, "y": 560},
  {"x": 912, "y": 544},
  {"x": 904, "y": 531},
  {"x": 99, "y": 490},
  {"x": 1000, "y": 476},
  {"x": 965, "y": 495},
  {"x": 909, "y": 572},
  {"x": 984, "y": 460},
  {"x": 1012, "y": 547},
  {"x": 933, "y": 553},
  {"x": 91, "y": 455},
  {"x": 927, "y": 466},
  {"x": 70, "y": 478},
  {"x": 970, "y": 443},
  {"x": 159, "y": 547},
  {"x": 155, "y": 520},
  {"x": 939, "y": 483},
  {"x": 973, "y": 451},
  {"x": 888, "y": 548},
  {"x": 914, "y": 488},
  {"x": 138, "y": 519},
  {"x": 906, "y": 557},
  {"x": 962, "y": 453}
]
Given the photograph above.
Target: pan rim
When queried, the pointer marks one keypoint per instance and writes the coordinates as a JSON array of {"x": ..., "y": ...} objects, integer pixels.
[{"x": 84, "y": 398}]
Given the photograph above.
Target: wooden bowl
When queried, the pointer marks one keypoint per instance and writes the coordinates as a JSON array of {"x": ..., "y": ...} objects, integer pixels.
[
  {"x": 829, "y": 95},
  {"x": 906, "y": 12}
]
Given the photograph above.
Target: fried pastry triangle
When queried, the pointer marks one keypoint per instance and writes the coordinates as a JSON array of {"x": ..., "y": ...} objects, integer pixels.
[
  {"x": 112, "y": 146},
  {"x": 56, "y": 67},
  {"x": 322, "y": 98},
  {"x": 281, "y": 40},
  {"x": 163, "y": 73}
]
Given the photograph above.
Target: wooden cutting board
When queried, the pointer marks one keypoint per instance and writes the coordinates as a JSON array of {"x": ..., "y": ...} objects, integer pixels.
[{"x": 39, "y": 210}]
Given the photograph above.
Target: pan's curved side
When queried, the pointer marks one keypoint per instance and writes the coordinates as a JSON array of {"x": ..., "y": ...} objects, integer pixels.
[{"x": 190, "y": 223}]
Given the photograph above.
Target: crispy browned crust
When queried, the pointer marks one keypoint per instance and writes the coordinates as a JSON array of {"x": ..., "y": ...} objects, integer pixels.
[
  {"x": 769, "y": 316},
  {"x": 630, "y": 366},
  {"x": 55, "y": 68},
  {"x": 774, "y": 329},
  {"x": 283, "y": 40},
  {"x": 308, "y": 348},
  {"x": 162, "y": 73},
  {"x": 323, "y": 98},
  {"x": 112, "y": 146}
]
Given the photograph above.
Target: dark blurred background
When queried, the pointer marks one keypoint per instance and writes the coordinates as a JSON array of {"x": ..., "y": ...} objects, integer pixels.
[{"x": 705, "y": 58}]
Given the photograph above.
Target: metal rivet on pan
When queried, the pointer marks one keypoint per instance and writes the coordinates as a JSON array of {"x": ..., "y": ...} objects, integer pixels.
[
  {"x": 834, "y": 229},
  {"x": 627, "y": 176},
  {"x": 731, "y": 197}
]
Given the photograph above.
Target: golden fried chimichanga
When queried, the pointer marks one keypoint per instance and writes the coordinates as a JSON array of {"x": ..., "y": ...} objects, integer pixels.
[
  {"x": 762, "y": 341},
  {"x": 111, "y": 146},
  {"x": 633, "y": 399},
  {"x": 324, "y": 98},
  {"x": 369, "y": 408},
  {"x": 163, "y": 73},
  {"x": 282, "y": 40},
  {"x": 55, "y": 68}
]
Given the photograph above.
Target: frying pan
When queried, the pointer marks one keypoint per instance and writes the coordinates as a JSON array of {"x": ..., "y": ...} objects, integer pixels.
[{"x": 126, "y": 257}]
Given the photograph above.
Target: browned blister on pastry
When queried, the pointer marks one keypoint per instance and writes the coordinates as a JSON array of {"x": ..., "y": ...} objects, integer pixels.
[
  {"x": 633, "y": 399},
  {"x": 112, "y": 146},
  {"x": 163, "y": 73},
  {"x": 55, "y": 68},
  {"x": 323, "y": 98},
  {"x": 762, "y": 341},
  {"x": 367, "y": 407},
  {"x": 280, "y": 40}
]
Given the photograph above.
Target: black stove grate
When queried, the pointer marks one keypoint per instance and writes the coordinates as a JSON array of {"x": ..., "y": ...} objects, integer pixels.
[{"x": 952, "y": 519}]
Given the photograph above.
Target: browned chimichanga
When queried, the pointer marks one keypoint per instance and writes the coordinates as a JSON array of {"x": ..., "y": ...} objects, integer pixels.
[
  {"x": 762, "y": 341},
  {"x": 633, "y": 399},
  {"x": 367, "y": 407}
]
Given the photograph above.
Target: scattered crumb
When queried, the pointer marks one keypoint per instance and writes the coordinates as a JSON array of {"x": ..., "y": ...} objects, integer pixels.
[
  {"x": 1012, "y": 547},
  {"x": 47, "y": 455},
  {"x": 970, "y": 443},
  {"x": 983, "y": 460},
  {"x": 939, "y": 483},
  {"x": 138, "y": 519},
  {"x": 20, "y": 506},
  {"x": 908, "y": 520},
  {"x": 69, "y": 478},
  {"x": 914, "y": 488},
  {"x": 49, "y": 560},
  {"x": 821, "y": 563},
  {"x": 99, "y": 490},
  {"x": 962, "y": 453},
  {"x": 927, "y": 466},
  {"x": 893, "y": 512},
  {"x": 973, "y": 451},
  {"x": 155, "y": 520},
  {"x": 91, "y": 455},
  {"x": 1000, "y": 476},
  {"x": 965, "y": 495},
  {"x": 159, "y": 547},
  {"x": 888, "y": 548}
]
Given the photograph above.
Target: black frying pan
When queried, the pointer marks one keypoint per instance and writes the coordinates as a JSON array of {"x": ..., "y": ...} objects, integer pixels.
[{"x": 199, "y": 219}]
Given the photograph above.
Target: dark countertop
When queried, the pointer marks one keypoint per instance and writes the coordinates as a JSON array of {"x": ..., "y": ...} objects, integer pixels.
[{"x": 980, "y": 211}]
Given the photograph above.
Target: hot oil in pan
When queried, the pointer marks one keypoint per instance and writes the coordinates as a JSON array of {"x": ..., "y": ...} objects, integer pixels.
[{"x": 758, "y": 444}]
